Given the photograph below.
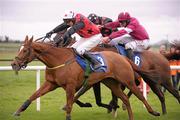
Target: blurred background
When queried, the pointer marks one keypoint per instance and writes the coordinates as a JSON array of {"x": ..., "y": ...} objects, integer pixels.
[{"x": 18, "y": 18}]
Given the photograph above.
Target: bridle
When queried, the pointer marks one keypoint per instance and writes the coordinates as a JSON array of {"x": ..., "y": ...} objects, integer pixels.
[{"x": 27, "y": 58}]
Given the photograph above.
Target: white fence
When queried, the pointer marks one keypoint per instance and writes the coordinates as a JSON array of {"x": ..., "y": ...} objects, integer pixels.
[
  {"x": 32, "y": 68},
  {"x": 39, "y": 68}
]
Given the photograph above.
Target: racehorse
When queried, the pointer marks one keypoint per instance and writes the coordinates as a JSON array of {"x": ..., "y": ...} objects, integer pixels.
[
  {"x": 62, "y": 70},
  {"x": 153, "y": 61},
  {"x": 149, "y": 61}
]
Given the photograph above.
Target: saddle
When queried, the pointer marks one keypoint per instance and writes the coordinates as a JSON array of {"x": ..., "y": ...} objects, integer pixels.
[{"x": 85, "y": 64}]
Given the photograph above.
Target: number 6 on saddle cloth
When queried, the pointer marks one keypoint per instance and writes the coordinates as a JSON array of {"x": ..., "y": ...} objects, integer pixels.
[{"x": 136, "y": 58}]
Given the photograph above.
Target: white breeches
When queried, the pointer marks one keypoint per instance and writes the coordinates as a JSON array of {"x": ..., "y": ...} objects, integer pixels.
[
  {"x": 86, "y": 44},
  {"x": 130, "y": 43}
]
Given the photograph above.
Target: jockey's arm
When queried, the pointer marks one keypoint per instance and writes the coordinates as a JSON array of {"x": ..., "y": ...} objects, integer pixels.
[
  {"x": 60, "y": 27},
  {"x": 120, "y": 33},
  {"x": 107, "y": 20},
  {"x": 77, "y": 26},
  {"x": 112, "y": 25}
]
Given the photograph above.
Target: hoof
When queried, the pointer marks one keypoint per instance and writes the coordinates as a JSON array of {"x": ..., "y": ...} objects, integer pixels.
[
  {"x": 88, "y": 105},
  {"x": 64, "y": 108},
  {"x": 155, "y": 113},
  {"x": 123, "y": 106},
  {"x": 164, "y": 112},
  {"x": 114, "y": 113},
  {"x": 109, "y": 110},
  {"x": 16, "y": 114},
  {"x": 68, "y": 117}
]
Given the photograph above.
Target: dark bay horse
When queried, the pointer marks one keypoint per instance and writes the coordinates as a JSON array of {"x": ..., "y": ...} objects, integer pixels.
[
  {"x": 63, "y": 71},
  {"x": 149, "y": 61}
]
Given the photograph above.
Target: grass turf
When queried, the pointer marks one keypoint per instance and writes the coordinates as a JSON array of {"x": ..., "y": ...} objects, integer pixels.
[{"x": 14, "y": 90}]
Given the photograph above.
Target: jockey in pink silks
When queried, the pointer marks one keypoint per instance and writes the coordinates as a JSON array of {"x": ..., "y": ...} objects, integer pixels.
[{"x": 131, "y": 34}]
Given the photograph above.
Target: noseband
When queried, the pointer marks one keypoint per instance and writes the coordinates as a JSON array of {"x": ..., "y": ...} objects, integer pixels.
[{"x": 27, "y": 57}]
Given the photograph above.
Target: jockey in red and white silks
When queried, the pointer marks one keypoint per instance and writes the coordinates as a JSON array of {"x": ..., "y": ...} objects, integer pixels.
[
  {"x": 78, "y": 23},
  {"x": 131, "y": 33},
  {"x": 89, "y": 32}
]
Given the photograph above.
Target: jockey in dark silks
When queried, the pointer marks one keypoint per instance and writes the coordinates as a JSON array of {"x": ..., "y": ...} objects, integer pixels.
[
  {"x": 101, "y": 21},
  {"x": 98, "y": 20},
  {"x": 89, "y": 32}
]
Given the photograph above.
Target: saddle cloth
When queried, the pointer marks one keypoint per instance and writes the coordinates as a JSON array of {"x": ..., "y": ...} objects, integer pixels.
[
  {"x": 83, "y": 63},
  {"x": 137, "y": 55}
]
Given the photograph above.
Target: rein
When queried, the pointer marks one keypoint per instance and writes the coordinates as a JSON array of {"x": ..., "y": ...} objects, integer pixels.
[
  {"x": 62, "y": 65},
  {"x": 56, "y": 67}
]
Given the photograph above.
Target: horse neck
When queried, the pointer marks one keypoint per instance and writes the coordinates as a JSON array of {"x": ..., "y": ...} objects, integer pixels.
[{"x": 52, "y": 56}]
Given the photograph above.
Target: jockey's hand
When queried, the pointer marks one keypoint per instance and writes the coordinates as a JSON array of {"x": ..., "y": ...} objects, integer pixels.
[
  {"x": 48, "y": 35},
  {"x": 99, "y": 26},
  {"x": 105, "y": 40}
]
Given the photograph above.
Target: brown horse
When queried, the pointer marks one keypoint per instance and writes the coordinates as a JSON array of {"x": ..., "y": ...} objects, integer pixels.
[
  {"x": 63, "y": 71},
  {"x": 149, "y": 61},
  {"x": 153, "y": 61}
]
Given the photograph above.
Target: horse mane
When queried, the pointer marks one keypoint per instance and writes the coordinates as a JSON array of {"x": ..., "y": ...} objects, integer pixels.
[{"x": 50, "y": 45}]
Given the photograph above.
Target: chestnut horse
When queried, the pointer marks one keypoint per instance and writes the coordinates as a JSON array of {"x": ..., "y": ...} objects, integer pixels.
[
  {"x": 63, "y": 71},
  {"x": 149, "y": 61}
]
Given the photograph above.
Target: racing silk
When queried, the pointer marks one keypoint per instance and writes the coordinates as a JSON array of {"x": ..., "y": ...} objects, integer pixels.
[
  {"x": 89, "y": 28},
  {"x": 134, "y": 29}
]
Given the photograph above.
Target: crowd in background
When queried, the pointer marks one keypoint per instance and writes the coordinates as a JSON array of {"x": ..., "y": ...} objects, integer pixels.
[{"x": 174, "y": 60}]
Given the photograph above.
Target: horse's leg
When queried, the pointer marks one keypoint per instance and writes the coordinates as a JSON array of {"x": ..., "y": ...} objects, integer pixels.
[
  {"x": 70, "y": 91},
  {"x": 157, "y": 90},
  {"x": 167, "y": 84},
  {"x": 45, "y": 88},
  {"x": 134, "y": 89},
  {"x": 129, "y": 95},
  {"x": 80, "y": 92},
  {"x": 97, "y": 94},
  {"x": 114, "y": 86},
  {"x": 81, "y": 104},
  {"x": 113, "y": 103}
]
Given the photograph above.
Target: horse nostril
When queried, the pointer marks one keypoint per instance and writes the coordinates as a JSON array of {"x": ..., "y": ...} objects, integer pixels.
[{"x": 13, "y": 64}]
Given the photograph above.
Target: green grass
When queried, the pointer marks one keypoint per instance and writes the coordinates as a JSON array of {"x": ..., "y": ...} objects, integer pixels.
[{"x": 14, "y": 90}]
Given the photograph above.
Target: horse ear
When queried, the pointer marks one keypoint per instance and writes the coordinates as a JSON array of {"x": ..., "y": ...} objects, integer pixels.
[
  {"x": 26, "y": 39},
  {"x": 31, "y": 39}
]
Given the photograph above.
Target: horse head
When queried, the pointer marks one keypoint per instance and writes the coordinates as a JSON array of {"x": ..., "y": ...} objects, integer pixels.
[{"x": 25, "y": 55}]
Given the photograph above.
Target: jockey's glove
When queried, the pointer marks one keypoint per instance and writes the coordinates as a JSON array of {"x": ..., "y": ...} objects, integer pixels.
[{"x": 48, "y": 35}]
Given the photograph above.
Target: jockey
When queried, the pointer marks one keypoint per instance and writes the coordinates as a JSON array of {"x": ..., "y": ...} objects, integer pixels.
[
  {"x": 132, "y": 34},
  {"x": 89, "y": 32},
  {"x": 98, "y": 20},
  {"x": 101, "y": 21},
  {"x": 174, "y": 42}
]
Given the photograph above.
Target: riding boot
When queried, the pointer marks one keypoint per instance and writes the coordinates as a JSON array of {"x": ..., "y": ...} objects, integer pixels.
[
  {"x": 130, "y": 54},
  {"x": 91, "y": 59}
]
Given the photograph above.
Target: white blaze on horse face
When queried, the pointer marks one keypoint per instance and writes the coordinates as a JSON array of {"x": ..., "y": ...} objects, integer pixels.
[{"x": 21, "y": 48}]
